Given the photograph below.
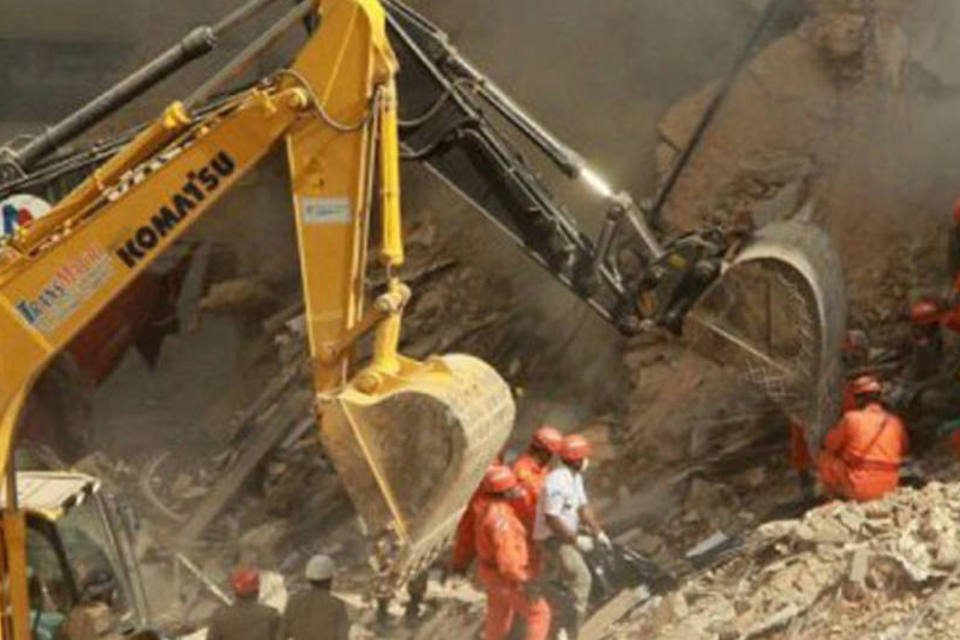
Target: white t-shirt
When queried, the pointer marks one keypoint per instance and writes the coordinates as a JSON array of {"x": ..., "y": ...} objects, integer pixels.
[{"x": 562, "y": 496}]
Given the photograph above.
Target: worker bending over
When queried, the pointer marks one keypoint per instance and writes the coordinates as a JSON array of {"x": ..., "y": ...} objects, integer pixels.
[
  {"x": 316, "y": 614},
  {"x": 562, "y": 512},
  {"x": 465, "y": 540},
  {"x": 533, "y": 466},
  {"x": 862, "y": 455},
  {"x": 503, "y": 553},
  {"x": 245, "y": 619}
]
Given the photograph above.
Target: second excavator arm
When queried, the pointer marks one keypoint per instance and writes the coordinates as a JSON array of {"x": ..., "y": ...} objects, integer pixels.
[{"x": 459, "y": 123}]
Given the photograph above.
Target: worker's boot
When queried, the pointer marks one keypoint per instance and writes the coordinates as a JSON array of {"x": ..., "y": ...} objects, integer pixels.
[{"x": 417, "y": 590}]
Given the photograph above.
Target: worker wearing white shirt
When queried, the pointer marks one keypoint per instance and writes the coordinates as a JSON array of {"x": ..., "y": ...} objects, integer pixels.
[{"x": 562, "y": 511}]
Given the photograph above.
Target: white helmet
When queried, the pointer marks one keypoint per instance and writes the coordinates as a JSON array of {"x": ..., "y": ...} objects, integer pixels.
[{"x": 320, "y": 568}]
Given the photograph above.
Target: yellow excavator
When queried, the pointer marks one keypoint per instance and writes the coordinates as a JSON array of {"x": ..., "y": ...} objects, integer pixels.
[{"x": 336, "y": 110}]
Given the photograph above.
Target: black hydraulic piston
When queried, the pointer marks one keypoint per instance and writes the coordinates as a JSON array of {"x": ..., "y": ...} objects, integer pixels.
[{"x": 196, "y": 44}]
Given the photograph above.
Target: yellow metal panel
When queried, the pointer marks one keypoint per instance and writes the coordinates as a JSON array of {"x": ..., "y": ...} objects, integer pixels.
[
  {"x": 15, "y": 577},
  {"x": 57, "y": 291},
  {"x": 49, "y": 294},
  {"x": 329, "y": 168}
]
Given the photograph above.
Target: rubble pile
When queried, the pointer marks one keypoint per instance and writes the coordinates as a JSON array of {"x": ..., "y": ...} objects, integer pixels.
[
  {"x": 885, "y": 569},
  {"x": 819, "y": 125},
  {"x": 264, "y": 492}
]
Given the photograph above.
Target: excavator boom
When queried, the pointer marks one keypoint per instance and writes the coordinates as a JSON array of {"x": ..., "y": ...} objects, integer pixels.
[
  {"x": 335, "y": 108},
  {"x": 770, "y": 302}
]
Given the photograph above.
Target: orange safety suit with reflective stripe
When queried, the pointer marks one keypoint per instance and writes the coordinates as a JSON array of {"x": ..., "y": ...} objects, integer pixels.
[
  {"x": 862, "y": 455},
  {"x": 464, "y": 544},
  {"x": 503, "y": 553},
  {"x": 800, "y": 458}
]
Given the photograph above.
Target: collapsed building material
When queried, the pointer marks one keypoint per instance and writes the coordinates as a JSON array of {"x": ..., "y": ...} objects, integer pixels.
[
  {"x": 844, "y": 570},
  {"x": 268, "y": 431}
]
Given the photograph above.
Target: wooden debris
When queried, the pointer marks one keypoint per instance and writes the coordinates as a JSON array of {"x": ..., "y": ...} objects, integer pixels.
[
  {"x": 599, "y": 623},
  {"x": 269, "y": 430},
  {"x": 197, "y": 573}
]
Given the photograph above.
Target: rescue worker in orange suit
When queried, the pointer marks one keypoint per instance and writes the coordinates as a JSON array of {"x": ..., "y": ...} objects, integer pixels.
[
  {"x": 533, "y": 466},
  {"x": 800, "y": 459},
  {"x": 245, "y": 619},
  {"x": 503, "y": 554},
  {"x": 464, "y": 542},
  {"x": 861, "y": 456}
]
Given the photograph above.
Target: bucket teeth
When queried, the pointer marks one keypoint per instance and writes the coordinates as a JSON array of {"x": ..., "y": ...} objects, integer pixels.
[{"x": 411, "y": 456}]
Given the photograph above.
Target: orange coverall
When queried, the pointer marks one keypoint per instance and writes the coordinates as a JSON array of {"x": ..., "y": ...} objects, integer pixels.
[
  {"x": 531, "y": 475},
  {"x": 503, "y": 551},
  {"x": 465, "y": 541},
  {"x": 464, "y": 544},
  {"x": 862, "y": 455}
]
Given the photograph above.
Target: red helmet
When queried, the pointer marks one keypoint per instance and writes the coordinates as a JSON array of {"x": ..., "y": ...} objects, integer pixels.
[
  {"x": 575, "y": 448},
  {"x": 548, "y": 438},
  {"x": 924, "y": 312},
  {"x": 865, "y": 385},
  {"x": 499, "y": 478},
  {"x": 245, "y": 582},
  {"x": 956, "y": 212}
]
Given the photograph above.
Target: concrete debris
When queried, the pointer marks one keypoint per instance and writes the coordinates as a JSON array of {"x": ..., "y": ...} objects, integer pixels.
[
  {"x": 844, "y": 570},
  {"x": 236, "y": 296}
]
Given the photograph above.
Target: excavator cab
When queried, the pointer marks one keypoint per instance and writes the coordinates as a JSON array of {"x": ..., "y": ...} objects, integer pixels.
[{"x": 72, "y": 530}]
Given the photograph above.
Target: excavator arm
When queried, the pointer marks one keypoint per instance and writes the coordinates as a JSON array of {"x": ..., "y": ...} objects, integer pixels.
[
  {"x": 466, "y": 130},
  {"x": 770, "y": 302},
  {"x": 335, "y": 108}
]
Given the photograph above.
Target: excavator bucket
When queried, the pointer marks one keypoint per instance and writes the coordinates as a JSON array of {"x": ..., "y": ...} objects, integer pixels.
[
  {"x": 778, "y": 313},
  {"x": 411, "y": 456}
]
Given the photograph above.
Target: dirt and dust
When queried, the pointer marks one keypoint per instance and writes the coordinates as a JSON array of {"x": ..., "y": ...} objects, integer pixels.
[
  {"x": 837, "y": 114},
  {"x": 885, "y": 569},
  {"x": 842, "y": 113}
]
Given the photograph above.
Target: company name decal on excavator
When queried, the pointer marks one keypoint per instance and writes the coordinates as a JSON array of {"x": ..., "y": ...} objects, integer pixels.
[
  {"x": 72, "y": 284},
  {"x": 200, "y": 183}
]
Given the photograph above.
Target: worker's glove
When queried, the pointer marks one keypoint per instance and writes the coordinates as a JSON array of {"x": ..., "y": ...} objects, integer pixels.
[
  {"x": 585, "y": 544},
  {"x": 604, "y": 540}
]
